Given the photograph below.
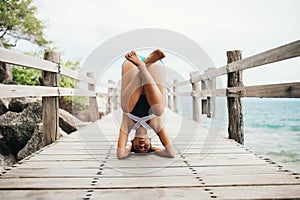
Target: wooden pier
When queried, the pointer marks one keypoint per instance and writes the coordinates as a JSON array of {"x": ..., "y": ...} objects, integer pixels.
[{"x": 84, "y": 166}]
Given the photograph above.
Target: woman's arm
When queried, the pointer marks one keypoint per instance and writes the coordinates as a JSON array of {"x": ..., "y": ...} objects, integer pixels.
[
  {"x": 122, "y": 151},
  {"x": 168, "y": 151}
]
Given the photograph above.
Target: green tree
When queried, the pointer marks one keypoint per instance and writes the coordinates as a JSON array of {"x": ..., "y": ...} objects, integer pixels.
[{"x": 18, "y": 21}]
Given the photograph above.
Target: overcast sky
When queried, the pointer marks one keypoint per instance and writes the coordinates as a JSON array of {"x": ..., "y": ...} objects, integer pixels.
[{"x": 77, "y": 27}]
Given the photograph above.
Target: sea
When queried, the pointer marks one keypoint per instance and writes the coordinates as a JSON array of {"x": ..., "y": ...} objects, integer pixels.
[{"x": 271, "y": 127}]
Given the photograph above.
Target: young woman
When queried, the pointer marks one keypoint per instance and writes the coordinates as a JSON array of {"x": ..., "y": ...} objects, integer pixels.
[{"x": 143, "y": 103}]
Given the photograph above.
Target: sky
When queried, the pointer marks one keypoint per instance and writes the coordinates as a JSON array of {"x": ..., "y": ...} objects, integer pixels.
[{"x": 77, "y": 27}]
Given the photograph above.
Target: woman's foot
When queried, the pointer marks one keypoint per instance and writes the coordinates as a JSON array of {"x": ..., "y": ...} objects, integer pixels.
[
  {"x": 134, "y": 58},
  {"x": 155, "y": 56}
]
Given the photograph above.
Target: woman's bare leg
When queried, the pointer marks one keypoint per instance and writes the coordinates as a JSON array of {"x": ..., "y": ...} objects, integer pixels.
[
  {"x": 133, "y": 84},
  {"x": 152, "y": 78}
]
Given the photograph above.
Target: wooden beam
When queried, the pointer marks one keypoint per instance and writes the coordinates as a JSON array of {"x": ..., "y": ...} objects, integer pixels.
[
  {"x": 274, "y": 55},
  {"x": 12, "y": 91},
  {"x": 281, "y": 90},
  {"x": 11, "y": 57}
]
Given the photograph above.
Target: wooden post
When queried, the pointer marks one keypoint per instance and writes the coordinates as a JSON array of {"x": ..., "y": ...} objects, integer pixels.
[
  {"x": 93, "y": 100},
  {"x": 110, "y": 95},
  {"x": 204, "y": 102},
  {"x": 196, "y": 99},
  {"x": 118, "y": 93},
  {"x": 169, "y": 98},
  {"x": 115, "y": 97},
  {"x": 50, "y": 104},
  {"x": 175, "y": 100},
  {"x": 211, "y": 100},
  {"x": 235, "y": 115}
]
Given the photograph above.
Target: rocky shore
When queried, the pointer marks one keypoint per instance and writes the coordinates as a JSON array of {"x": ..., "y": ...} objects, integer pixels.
[{"x": 21, "y": 128}]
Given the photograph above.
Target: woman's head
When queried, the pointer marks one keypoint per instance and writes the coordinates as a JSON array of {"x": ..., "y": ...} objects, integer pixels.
[{"x": 141, "y": 145}]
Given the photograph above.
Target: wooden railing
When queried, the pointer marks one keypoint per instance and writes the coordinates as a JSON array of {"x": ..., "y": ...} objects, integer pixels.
[
  {"x": 204, "y": 88},
  {"x": 203, "y": 91},
  {"x": 50, "y": 90}
]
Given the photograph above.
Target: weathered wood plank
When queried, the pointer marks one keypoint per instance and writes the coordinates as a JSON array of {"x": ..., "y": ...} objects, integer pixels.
[
  {"x": 281, "y": 90},
  {"x": 59, "y": 164},
  {"x": 107, "y": 194},
  {"x": 51, "y": 173},
  {"x": 152, "y": 193},
  {"x": 11, "y": 91},
  {"x": 109, "y": 183},
  {"x": 43, "y": 194},
  {"x": 15, "y": 58},
  {"x": 258, "y": 192},
  {"x": 277, "y": 54},
  {"x": 252, "y": 179}
]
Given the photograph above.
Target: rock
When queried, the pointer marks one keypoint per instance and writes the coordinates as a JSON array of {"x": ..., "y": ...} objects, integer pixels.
[
  {"x": 3, "y": 107},
  {"x": 33, "y": 144},
  {"x": 67, "y": 122},
  {"x": 17, "y": 128},
  {"x": 6, "y": 157},
  {"x": 17, "y": 104}
]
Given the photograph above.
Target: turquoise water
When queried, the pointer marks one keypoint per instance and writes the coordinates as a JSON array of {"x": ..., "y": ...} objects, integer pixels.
[{"x": 271, "y": 128}]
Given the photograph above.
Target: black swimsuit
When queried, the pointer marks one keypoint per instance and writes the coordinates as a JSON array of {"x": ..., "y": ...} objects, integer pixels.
[{"x": 142, "y": 107}]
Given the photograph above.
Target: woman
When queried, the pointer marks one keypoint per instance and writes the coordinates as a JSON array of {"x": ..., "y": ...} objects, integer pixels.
[{"x": 143, "y": 102}]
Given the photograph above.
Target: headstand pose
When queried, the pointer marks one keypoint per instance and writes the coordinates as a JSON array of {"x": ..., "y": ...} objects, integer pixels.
[{"x": 143, "y": 103}]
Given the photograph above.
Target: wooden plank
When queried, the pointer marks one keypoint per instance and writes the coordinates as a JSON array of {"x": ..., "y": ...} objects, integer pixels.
[
  {"x": 60, "y": 157},
  {"x": 46, "y": 183},
  {"x": 51, "y": 173},
  {"x": 284, "y": 52},
  {"x": 152, "y": 193},
  {"x": 65, "y": 164},
  {"x": 181, "y": 83},
  {"x": 76, "y": 75},
  {"x": 244, "y": 180},
  {"x": 107, "y": 194},
  {"x": 281, "y": 90},
  {"x": 11, "y": 91},
  {"x": 258, "y": 192},
  {"x": 239, "y": 170},
  {"x": 15, "y": 58},
  {"x": 109, "y": 183},
  {"x": 43, "y": 194}
]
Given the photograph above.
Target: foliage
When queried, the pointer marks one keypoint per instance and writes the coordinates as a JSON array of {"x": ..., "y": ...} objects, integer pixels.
[
  {"x": 28, "y": 76},
  {"x": 18, "y": 21}
]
